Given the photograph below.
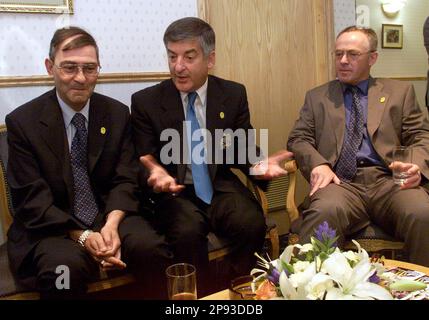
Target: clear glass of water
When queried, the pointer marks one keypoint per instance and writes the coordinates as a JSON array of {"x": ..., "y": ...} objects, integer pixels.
[{"x": 401, "y": 155}]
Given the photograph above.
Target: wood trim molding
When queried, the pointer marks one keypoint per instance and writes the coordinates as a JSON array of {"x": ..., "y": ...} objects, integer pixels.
[
  {"x": 330, "y": 26},
  {"x": 25, "y": 81},
  {"x": 66, "y": 7},
  {"x": 409, "y": 78}
]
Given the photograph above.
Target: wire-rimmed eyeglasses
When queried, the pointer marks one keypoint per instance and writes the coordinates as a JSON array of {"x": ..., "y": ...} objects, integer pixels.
[
  {"x": 350, "y": 54},
  {"x": 88, "y": 69}
]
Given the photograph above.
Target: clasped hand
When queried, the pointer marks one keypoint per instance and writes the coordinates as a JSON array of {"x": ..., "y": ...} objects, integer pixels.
[{"x": 105, "y": 247}]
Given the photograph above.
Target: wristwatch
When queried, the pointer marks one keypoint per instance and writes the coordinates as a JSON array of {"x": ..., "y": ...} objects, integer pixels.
[{"x": 83, "y": 237}]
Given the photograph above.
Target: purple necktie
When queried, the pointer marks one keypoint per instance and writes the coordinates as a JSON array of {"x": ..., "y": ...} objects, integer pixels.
[{"x": 346, "y": 164}]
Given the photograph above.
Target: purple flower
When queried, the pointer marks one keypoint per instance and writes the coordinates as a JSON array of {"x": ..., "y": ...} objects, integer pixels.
[
  {"x": 323, "y": 233},
  {"x": 374, "y": 278},
  {"x": 273, "y": 275}
]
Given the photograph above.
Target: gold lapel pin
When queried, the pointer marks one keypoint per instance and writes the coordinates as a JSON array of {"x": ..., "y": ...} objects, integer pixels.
[
  {"x": 222, "y": 115},
  {"x": 382, "y": 99},
  {"x": 103, "y": 130}
]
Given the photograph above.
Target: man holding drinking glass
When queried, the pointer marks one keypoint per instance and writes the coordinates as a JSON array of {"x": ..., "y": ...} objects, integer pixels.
[{"x": 344, "y": 140}]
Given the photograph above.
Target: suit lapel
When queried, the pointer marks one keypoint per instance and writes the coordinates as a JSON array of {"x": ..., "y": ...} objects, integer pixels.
[
  {"x": 53, "y": 132},
  {"x": 99, "y": 127},
  {"x": 377, "y": 100},
  {"x": 52, "y": 126},
  {"x": 172, "y": 117},
  {"x": 215, "y": 105},
  {"x": 337, "y": 113}
]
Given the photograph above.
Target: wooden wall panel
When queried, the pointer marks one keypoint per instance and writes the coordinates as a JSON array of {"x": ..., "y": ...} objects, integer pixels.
[{"x": 279, "y": 49}]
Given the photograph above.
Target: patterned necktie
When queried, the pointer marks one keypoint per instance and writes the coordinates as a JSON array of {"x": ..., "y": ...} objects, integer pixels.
[
  {"x": 85, "y": 206},
  {"x": 200, "y": 173},
  {"x": 346, "y": 165}
]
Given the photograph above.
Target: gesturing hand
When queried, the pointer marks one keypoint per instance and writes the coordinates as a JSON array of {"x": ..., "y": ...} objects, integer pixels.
[
  {"x": 159, "y": 179},
  {"x": 270, "y": 168}
]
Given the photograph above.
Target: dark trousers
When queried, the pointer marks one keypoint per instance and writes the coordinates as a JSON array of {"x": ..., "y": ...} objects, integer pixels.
[
  {"x": 236, "y": 216},
  {"x": 143, "y": 250},
  {"x": 373, "y": 196}
]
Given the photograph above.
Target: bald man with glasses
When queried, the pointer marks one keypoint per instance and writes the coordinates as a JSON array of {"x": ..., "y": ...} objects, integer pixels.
[{"x": 343, "y": 142}]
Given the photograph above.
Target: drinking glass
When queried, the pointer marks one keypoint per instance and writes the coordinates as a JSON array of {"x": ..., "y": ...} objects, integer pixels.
[
  {"x": 181, "y": 281},
  {"x": 401, "y": 154}
]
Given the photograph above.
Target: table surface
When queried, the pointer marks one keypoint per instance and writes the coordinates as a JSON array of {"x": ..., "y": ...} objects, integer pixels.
[{"x": 224, "y": 294}]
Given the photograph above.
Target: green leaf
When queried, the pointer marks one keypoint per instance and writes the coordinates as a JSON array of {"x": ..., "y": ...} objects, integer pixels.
[
  {"x": 323, "y": 256},
  {"x": 332, "y": 241},
  {"x": 407, "y": 285}
]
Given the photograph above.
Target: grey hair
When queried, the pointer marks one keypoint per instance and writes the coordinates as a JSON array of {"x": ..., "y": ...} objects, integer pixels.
[{"x": 191, "y": 28}]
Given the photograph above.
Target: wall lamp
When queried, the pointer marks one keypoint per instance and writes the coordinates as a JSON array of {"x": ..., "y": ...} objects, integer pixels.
[{"x": 392, "y": 7}]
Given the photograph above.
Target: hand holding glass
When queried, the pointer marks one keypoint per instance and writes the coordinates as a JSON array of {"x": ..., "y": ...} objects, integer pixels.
[
  {"x": 181, "y": 282},
  {"x": 401, "y": 156}
]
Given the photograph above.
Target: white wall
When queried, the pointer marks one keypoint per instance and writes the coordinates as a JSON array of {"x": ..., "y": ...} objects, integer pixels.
[
  {"x": 128, "y": 32},
  {"x": 411, "y": 60}
]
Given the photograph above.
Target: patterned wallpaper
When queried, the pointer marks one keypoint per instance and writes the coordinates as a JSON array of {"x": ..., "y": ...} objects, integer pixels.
[
  {"x": 129, "y": 34},
  {"x": 344, "y": 14}
]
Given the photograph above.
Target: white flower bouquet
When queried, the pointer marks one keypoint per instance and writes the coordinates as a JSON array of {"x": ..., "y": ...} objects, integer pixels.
[{"x": 321, "y": 271}]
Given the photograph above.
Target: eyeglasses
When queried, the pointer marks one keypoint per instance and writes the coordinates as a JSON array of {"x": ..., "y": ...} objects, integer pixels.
[
  {"x": 88, "y": 69},
  {"x": 350, "y": 54}
]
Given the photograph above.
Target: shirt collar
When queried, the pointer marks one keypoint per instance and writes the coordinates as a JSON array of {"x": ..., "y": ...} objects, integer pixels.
[
  {"x": 201, "y": 92},
  {"x": 363, "y": 86},
  {"x": 68, "y": 112}
]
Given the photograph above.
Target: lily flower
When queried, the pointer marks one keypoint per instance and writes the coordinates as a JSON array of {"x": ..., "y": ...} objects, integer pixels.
[{"x": 352, "y": 283}]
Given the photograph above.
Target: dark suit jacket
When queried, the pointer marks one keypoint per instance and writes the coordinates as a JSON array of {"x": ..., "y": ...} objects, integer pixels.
[
  {"x": 160, "y": 107},
  {"x": 39, "y": 171},
  {"x": 394, "y": 118}
]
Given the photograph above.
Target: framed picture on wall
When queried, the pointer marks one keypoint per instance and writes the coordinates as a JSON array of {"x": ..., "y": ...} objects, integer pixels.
[
  {"x": 392, "y": 36},
  {"x": 37, "y": 6}
]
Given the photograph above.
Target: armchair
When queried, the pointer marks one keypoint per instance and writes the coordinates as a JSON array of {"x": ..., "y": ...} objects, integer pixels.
[{"x": 372, "y": 238}]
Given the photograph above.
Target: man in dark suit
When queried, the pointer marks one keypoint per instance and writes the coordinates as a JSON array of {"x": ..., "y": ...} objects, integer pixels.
[
  {"x": 73, "y": 179},
  {"x": 343, "y": 142},
  {"x": 193, "y": 194}
]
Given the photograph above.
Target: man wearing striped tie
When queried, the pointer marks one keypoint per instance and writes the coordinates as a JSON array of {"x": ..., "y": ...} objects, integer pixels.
[{"x": 344, "y": 140}]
